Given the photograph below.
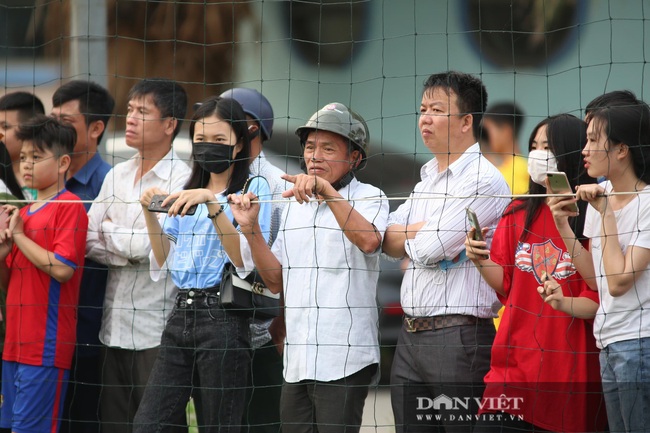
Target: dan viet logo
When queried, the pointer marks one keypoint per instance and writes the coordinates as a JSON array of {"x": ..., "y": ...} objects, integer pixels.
[{"x": 466, "y": 405}]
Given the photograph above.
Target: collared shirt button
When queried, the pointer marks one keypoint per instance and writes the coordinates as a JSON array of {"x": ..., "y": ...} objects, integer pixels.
[{"x": 189, "y": 302}]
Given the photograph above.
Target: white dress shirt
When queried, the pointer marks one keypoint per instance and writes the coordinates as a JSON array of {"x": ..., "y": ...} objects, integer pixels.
[
  {"x": 135, "y": 308},
  {"x": 440, "y": 199},
  {"x": 330, "y": 288}
]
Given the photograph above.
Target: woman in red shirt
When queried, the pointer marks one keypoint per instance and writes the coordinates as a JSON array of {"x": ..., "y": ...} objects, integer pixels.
[{"x": 544, "y": 373}]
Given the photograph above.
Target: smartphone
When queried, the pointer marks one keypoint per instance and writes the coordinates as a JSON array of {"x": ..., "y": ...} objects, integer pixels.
[
  {"x": 559, "y": 184},
  {"x": 157, "y": 206},
  {"x": 473, "y": 221}
]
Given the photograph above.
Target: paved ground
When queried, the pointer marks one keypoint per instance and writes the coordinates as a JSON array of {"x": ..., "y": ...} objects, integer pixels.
[{"x": 377, "y": 414}]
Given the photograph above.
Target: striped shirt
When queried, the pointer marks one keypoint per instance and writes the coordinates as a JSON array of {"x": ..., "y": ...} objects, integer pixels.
[{"x": 440, "y": 199}]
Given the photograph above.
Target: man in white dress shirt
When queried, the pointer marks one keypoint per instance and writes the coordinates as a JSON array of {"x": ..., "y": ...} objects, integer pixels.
[
  {"x": 444, "y": 347},
  {"x": 135, "y": 308},
  {"x": 325, "y": 260}
]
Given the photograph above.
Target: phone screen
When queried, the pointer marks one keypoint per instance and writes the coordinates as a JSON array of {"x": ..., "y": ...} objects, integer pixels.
[
  {"x": 473, "y": 221},
  {"x": 559, "y": 184}
]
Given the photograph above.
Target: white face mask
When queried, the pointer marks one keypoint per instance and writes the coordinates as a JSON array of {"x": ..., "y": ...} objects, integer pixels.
[{"x": 541, "y": 162}]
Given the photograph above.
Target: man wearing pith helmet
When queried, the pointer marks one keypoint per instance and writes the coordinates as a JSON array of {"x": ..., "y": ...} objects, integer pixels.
[{"x": 326, "y": 262}]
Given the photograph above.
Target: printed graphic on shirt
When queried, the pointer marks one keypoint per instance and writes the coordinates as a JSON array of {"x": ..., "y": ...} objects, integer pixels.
[
  {"x": 191, "y": 253},
  {"x": 539, "y": 258}
]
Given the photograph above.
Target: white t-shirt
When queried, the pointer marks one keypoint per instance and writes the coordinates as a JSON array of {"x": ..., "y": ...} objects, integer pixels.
[
  {"x": 625, "y": 317},
  {"x": 3, "y": 188}
]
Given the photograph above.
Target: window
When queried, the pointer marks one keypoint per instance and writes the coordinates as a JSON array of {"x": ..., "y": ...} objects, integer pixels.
[
  {"x": 325, "y": 32},
  {"x": 520, "y": 33}
]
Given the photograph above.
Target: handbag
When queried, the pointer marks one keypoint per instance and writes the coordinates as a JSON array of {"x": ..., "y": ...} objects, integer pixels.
[{"x": 247, "y": 295}]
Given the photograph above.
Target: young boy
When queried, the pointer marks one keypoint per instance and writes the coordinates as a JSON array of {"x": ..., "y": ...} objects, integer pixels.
[{"x": 41, "y": 257}]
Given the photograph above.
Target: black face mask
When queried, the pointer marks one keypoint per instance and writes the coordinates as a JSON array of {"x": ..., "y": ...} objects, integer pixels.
[{"x": 213, "y": 157}]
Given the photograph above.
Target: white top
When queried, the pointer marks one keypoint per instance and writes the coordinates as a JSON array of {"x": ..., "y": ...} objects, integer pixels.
[
  {"x": 3, "y": 188},
  {"x": 626, "y": 317},
  {"x": 330, "y": 288},
  {"x": 261, "y": 166},
  {"x": 273, "y": 175},
  {"x": 440, "y": 199},
  {"x": 135, "y": 308}
]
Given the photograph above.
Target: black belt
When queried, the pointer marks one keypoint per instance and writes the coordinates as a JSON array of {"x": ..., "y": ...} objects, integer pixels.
[
  {"x": 197, "y": 298},
  {"x": 417, "y": 324}
]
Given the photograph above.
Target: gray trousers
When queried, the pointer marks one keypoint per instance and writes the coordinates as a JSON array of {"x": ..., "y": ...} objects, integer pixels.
[{"x": 437, "y": 378}]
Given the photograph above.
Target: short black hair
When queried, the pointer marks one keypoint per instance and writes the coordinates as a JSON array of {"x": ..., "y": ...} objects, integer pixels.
[
  {"x": 506, "y": 113},
  {"x": 27, "y": 104},
  {"x": 95, "y": 103},
  {"x": 47, "y": 133},
  {"x": 470, "y": 93},
  {"x": 168, "y": 96}
]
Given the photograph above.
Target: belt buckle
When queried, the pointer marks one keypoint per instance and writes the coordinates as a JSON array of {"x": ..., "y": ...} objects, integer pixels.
[{"x": 410, "y": 324}]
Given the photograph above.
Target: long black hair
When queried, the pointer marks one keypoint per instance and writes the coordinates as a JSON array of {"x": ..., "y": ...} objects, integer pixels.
[
  {"x": 567, "y": 135},
  {"x": 7, "y": 173},
  {"x": 230, "y": 111},
  {"x": 630, "y": 125}
]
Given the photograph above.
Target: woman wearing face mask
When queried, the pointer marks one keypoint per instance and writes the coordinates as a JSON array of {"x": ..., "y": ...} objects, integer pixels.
[
  {"x": 544, "y": 367},
  {"x": 204, "y": 350}
]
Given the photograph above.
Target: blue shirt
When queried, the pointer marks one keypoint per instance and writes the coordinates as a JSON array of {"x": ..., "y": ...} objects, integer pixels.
[
  {"x": 198, "y": 257},
  {"x": 86, "y": 184}
]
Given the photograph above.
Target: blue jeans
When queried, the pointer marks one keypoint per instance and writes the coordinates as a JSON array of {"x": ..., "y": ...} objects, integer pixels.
[
  {"x": 204, "y": 353},
  {"x": 625, "y": 369}
]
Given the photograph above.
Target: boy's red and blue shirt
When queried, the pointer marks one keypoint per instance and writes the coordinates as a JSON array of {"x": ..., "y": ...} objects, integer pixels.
[{"x": 42, "y": 312}]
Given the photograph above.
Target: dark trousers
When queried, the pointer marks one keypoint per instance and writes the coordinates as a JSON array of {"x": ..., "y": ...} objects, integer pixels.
[
  {"x": 262, "y": 410},
  {"x": 204, "y": 353},
  {"x": 81, "y": 410},
  {"x": 124, "y": 376},
  {"x": 326, "y": 407},
  {"x": 436, "y": 374}
]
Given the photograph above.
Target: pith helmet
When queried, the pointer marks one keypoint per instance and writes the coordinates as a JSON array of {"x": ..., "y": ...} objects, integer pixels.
[
  {"x": 339, "y": 119},
  {"x": 255, "y": 105}
]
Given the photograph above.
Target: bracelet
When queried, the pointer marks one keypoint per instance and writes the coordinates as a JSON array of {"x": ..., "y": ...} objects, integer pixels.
[{"x": 216, "y": 213}]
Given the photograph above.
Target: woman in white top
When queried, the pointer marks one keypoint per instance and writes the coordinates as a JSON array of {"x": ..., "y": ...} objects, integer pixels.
[{"x": 618, "y": 259}]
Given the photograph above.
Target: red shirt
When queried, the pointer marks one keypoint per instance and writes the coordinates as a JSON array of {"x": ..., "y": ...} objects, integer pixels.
[
  {"x": 544, "y": 362},
  {"x": 41, "y": 312}
]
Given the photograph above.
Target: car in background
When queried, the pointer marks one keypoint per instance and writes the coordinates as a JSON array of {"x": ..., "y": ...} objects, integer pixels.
[{"x": 390, "y": 313}]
